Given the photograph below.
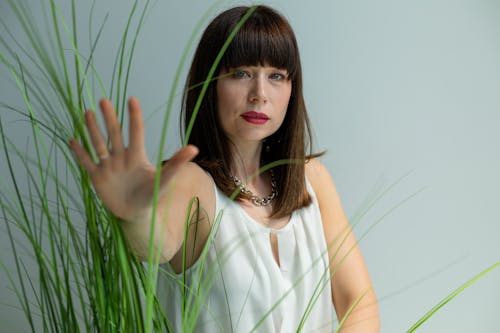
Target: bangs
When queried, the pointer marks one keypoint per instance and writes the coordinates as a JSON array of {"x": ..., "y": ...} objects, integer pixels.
[{"x": 263, "y": 40}]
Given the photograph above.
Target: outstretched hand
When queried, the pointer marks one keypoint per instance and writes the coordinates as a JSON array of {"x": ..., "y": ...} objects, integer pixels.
[{"x": 124, "y": 177}]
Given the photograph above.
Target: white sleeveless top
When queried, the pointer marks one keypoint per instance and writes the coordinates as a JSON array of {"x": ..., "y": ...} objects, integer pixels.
[{"x": 239, "y": 287}]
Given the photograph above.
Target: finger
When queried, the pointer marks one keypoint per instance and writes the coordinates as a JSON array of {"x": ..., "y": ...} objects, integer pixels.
[
  {"x": 96, "y": 136},
  {"x": 112, "y": 126},
  {"x": 181, "y": 157},
  {"x": 82, "y": 156},
  {"x": 136, "y": 125}
]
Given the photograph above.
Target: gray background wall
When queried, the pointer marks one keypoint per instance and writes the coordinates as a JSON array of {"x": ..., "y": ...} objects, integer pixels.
[{"x": 391, "y": 87}]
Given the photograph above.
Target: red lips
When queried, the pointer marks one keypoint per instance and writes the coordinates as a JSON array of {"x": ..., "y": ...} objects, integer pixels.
[{"x": 254, "y": 117}]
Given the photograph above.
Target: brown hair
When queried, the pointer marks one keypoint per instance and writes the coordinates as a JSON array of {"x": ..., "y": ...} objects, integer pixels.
[{"x": 265, "y": 38}]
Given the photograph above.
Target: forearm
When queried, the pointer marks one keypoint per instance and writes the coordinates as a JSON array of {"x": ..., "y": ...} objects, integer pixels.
[{"x": 143, "y": 231}]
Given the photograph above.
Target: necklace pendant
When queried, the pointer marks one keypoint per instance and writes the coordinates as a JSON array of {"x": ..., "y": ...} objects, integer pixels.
[{"x": 258, "y": 201}]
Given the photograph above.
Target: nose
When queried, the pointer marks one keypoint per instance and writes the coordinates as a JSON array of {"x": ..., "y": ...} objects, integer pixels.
[{"x": 258, "y": 90}]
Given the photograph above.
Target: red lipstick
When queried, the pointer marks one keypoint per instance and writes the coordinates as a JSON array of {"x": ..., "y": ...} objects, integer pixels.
[{"x": 254, "y": 117}]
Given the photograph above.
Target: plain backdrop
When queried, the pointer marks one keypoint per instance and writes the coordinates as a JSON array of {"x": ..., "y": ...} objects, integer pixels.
[{"x": 393, "y": 88}]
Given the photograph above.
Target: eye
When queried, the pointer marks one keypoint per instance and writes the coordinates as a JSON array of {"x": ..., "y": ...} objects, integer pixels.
[
  {"x": 240, "y": 74},
  {"x": 278, "y": 76}
]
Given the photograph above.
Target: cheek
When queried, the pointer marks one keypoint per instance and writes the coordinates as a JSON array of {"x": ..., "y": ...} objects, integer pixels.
[
  {"x": 222, "y": 103},
  {"x": 226, "y": 97},
  {"x": 225, "y": 103},
  {"x": 286, "y": 99},
  {"x": 285, "y": 102}
]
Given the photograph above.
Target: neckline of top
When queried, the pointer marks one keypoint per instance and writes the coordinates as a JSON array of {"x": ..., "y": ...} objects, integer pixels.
[{"x": 262, "y": 226}]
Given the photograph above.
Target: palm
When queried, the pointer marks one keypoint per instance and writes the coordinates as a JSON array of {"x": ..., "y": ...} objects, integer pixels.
[{"x": 124, "y": 178}]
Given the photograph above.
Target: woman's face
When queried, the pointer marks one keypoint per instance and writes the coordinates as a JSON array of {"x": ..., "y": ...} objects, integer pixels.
[{"x": 252, "y": 102}]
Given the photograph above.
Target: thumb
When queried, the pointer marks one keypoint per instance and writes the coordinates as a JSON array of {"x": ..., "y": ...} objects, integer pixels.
[{"x": 181, "y": 157}]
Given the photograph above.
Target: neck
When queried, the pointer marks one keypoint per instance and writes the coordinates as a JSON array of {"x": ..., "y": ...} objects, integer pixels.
[
  {"x": 246, "y": 164},
  {"x": 246, "y": 161}
]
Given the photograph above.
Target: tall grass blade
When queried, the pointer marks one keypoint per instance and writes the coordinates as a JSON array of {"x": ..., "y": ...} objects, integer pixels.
[{"x": 451, "y": 296}]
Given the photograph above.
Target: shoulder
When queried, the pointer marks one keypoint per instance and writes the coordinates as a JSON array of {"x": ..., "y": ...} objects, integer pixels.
[
  {"x": 325, "y": 190},
  {"x": 318, "y": 176},
  {"x": 313, "y": 166},
  {"x": 191, "y": 174},
  {"x": 192, "y": 181},
  {"x": 195, "y": 181}
]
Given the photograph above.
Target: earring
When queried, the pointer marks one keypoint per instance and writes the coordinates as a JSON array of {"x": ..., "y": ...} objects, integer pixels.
[{"x": 267, "y": 147}]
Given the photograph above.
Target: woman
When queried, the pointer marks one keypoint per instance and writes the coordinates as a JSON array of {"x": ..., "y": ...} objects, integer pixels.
[{"x": 279, "y": 258}]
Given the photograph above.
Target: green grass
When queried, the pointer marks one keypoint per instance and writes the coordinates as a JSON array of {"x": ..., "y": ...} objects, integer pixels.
[{"x": 84, "y": 278}]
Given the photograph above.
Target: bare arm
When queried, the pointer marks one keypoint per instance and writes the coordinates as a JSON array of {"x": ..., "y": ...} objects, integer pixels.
[
  {"x": 350, "y": 280},
  {"x": 124, "y": 180}
]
